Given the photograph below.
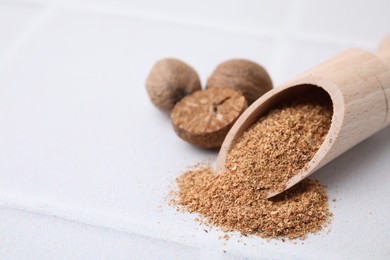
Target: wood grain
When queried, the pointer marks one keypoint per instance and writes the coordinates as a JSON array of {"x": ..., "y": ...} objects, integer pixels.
[{"x": 358, "y": 83}]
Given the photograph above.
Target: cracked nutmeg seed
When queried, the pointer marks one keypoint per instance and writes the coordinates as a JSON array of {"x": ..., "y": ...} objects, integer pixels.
[
  {"x": 205, "y": 117},
  {"x": 169, "y": 81}
]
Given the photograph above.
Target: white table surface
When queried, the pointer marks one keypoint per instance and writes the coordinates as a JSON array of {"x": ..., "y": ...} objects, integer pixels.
[{"x": 86, "y": 161}]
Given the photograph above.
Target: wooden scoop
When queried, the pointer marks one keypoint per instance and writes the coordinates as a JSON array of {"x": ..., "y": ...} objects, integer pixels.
[{"x": 358, "y": 83}]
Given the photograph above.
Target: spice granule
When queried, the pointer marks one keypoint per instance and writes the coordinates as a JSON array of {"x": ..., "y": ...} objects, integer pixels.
[{"x": 275, "y": 148}]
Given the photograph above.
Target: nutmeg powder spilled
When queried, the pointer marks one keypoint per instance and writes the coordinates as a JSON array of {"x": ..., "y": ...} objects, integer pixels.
[
  {"x": 281, "y": 143},
  {"x": 275, "y": 148}
]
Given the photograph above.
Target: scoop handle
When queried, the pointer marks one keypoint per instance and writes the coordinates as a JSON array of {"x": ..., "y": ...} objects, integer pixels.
[
  {"x": 383, "y": 51},
  {"x": 358, "y": 83}
]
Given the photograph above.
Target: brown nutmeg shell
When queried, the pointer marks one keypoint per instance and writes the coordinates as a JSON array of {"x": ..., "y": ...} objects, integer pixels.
[
  {"x": 246, "y": 76},
  {"x": 169, "y": 81},
  {"x": 205, "y": 117}
]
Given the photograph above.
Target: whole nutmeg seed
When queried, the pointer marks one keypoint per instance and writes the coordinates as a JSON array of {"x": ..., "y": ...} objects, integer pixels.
[
  {"x": 205, "y": 117},
  {"x": 246, "y": 76},
  {"x": 169, "y": 81}
]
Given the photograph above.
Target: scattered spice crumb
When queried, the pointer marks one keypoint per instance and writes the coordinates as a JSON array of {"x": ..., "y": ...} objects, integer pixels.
[
  {"x": 334, "y": 200},
  {"x": 274, "y": 149},
  {"x": 226, "y": 237}
]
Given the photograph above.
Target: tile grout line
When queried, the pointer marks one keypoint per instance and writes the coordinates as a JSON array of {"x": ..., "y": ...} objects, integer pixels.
[
  {"x": 23, "y": 37},
  {"x": 251, "y": 30},
  {"x": 153, "y": 16},
  {"x": 205, "y": 249},
  {"x": 42, "y": 213},
  {"x": 281, "y": 37},
  {"x": 92, "y": 219},
  {"x": 19, "y": 202}
]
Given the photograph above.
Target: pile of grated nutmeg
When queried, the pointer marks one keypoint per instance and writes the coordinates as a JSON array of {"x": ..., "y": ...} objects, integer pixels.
[{"x": 272, "y": 150}]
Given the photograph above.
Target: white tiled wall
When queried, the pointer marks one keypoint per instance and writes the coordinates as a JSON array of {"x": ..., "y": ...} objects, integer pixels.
[{"x": 86, "y": 160}]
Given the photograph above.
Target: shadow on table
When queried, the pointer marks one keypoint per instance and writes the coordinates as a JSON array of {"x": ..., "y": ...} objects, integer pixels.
[{"x": 349, "y": 165}]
